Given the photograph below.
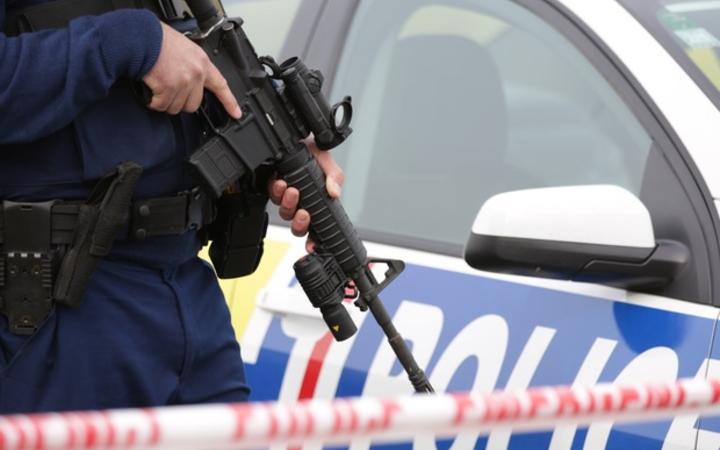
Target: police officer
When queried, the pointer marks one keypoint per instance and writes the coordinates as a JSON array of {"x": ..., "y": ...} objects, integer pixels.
[{"x": 152, "y": 327}]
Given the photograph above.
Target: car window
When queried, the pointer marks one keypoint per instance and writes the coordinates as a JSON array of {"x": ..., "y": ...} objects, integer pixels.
[
  {"x": 457, "y": 100},
  {"x": 267, "y": 22}
]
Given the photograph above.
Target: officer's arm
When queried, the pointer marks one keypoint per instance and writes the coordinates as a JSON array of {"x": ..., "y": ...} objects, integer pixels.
[{"x": 48, "y": 77}]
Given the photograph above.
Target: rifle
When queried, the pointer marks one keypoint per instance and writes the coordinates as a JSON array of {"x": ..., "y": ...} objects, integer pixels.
[{"x": 283, "y": 104}]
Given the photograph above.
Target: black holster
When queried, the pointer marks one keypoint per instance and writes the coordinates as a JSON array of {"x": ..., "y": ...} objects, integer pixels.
[{"x": 100, "y": 221}]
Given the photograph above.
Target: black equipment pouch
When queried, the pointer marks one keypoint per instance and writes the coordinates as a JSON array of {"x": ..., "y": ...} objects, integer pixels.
[
  {"x": 237, "y": 234},
  {"x": 99, "y": 222},
  {"x": 59, "y": 13},
  {"x": 27, "y": 265}
]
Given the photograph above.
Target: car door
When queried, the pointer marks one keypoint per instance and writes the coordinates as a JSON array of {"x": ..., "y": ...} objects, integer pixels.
[{"x": 455, "y": 101}]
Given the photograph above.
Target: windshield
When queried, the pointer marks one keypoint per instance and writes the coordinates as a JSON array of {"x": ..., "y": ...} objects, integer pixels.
[{"x": 690, "y": 31}]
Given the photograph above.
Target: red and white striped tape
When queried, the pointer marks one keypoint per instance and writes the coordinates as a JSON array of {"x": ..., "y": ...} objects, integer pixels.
[{"x": 257, "y": 425}]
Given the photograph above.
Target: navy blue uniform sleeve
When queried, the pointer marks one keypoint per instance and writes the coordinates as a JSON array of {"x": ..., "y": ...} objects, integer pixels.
[{"x": 48, "y": 77}]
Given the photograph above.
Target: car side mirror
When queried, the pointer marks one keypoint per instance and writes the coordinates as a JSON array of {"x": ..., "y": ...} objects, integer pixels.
[{"x": 601, "y": 234}]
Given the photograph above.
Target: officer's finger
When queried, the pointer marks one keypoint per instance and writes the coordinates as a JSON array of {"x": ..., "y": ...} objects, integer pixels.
[
  {"x": 178, "y": 103},
  {"x": 194, "y": 99},
  {"x": 161, "y": 100},
  {"x": 309, "y": 245},
  {"x": 333, "y": 173},
  {"x": 300, "y": 223},
  {"x": 289, "y": 203},
  {"x": 277, "y": 189},
  {"x": 334, "y": 176},
  {"x": 217, "y": 84}
]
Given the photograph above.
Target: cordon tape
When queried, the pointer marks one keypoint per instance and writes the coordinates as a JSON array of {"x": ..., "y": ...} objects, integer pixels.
[{"x": 258, "y": 425}]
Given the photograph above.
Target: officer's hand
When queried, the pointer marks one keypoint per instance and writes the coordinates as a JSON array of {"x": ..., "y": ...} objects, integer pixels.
[
  {"x": 288, "y": 198},
  {"x": 181, "y": 72}
]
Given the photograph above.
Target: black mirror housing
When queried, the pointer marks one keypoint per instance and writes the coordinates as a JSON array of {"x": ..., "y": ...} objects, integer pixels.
[{"x": 625, "y": 267}]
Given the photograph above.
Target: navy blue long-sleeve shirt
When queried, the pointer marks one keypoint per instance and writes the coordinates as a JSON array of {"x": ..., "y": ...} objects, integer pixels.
[
  {"x": 68, "y": 117},
  {"x": 67, "y": 113},
  {"x": 153, "y": 328}
]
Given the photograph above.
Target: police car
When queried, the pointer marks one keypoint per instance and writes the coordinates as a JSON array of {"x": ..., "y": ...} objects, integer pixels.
[{"x": 571, "y": 146}]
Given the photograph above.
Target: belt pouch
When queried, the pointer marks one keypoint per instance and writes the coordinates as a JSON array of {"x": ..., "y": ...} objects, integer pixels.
[
  {"x": 99, "y": 222},
  {"x": 238, "y": 233},
  {"x": 28, "y": 265}
]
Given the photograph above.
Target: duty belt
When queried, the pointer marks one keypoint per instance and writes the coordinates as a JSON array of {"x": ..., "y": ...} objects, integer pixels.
[
  {"x": 57, "y": 14},
  {"x": 159, "y": 216},
  {"x": 50, "y": 249}
]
